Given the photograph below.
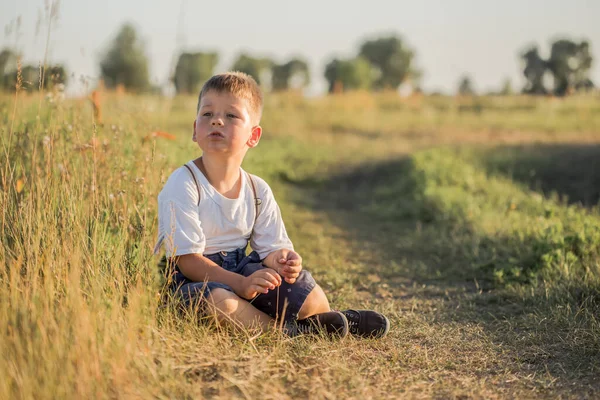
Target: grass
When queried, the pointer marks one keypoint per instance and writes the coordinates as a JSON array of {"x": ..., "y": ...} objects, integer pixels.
[{"x": 472, "y": 223}]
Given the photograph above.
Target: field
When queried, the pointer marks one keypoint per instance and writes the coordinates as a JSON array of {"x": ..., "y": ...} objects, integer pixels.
[{"x": 472, "y": 223}]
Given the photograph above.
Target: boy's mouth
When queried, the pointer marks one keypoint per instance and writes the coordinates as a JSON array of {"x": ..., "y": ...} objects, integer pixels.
[{"x": 216, "y": 134}]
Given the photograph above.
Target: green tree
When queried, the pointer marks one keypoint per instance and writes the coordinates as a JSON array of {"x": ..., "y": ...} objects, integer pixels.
[
  {"x": 30, "y": 77},
  {"x": 8, "y": 62},
  {"x": 535, "y": 68},
  {"x": 258, "y": 68},
  {"x": 570, "y": 64},
  {"x": 507, "y": 88},
  {"x": 125, "y": 61},
  {"x": 585, "y": 60},
  {"x": 391, "y": 60},
  {"x": 192, "y": 70},
  {"x": 349, "y": 74},
  {"x": 292, "y": 74},
  {"x": 465, "y": 86},
  {"x": 55, "y": 75}
]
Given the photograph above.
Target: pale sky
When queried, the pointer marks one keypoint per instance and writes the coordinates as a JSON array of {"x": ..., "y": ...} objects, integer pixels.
[{"x": 451, "y": 37}]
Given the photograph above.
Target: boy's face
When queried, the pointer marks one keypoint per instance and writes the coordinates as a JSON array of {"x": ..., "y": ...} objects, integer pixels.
[{"x": 224, "y": 125}]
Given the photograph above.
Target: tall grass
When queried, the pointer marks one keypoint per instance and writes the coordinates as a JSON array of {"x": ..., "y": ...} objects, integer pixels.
[{"x": 77, "y": 286}]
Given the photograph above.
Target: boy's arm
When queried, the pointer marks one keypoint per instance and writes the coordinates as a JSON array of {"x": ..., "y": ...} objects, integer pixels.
[{"x": 198, "y": 268}]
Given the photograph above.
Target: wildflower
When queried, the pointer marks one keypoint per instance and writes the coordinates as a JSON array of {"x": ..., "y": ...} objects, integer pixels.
[
  {"x": 164, "y": 135},
  {"x": 20, "y": 185}
]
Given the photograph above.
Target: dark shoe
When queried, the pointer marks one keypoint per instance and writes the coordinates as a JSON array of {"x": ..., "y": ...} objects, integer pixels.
[
  {"x": 367, "y": 323},
  {"x": 332, "y": 322}
]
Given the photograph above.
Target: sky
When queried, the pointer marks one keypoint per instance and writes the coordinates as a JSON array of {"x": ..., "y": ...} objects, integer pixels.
[{"x": 480, "y": 38}]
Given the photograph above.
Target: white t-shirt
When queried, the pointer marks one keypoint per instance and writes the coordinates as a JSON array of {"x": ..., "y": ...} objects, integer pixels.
[{"x": 217, "y": 223}]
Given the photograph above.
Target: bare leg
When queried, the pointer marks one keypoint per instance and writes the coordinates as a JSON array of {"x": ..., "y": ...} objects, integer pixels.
[
  {"x": 316, "y": 302},
  {"x": 233, "y": 310}
]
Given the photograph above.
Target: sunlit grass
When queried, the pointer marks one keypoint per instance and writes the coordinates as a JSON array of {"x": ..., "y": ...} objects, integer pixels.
[{"x": 435, "y": 238}]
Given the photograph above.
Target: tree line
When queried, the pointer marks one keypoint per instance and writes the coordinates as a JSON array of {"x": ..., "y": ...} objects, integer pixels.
[
  {"x": 379, "y": 64},
  {"x": 29, "y": 77}
]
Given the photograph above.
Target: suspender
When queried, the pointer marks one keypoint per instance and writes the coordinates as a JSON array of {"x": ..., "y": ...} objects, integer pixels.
[
  {"x": 257, "y": 200},
  {"x": 195, "y": 181}
]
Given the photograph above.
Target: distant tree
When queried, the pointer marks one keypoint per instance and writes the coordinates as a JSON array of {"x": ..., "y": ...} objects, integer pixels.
[
  {"x": 535, "y": 68},
  {"x": 349, "y": 74},
  {"x": 437, "y": 93},
  {"x": 55, "y": 75},
  {"x": 465, "y": 86},
  {"x": 570, "y": 65},
  {"x": 506, "y": 89},
  {"x": 8, "y": 62},
  {"x": 30, "y": 77},
  {"x": 258, "y": 68},
  {"x": 125, "y": 62},
  {"x": 582, "y": 74},
  {"x": 192, "y": 70},
  {"x": 391, "y": 60},
  {"x": 293, "y": 74}
]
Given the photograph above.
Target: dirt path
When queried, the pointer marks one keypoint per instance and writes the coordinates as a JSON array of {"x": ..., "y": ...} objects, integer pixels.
[{"x": 451, "y": 338}]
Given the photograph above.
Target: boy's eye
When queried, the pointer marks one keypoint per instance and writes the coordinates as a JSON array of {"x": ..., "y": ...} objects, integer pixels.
[
  {"x": 230, "y": 115},
  {"x": 207, "y": 114}
]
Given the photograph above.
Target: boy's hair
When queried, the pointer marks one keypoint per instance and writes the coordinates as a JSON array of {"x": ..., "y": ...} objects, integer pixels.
[{"x": 240, "y": 85}]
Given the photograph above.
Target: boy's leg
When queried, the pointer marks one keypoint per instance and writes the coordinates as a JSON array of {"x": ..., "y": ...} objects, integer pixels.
[
  {"x": 303, "y": 305},
  {"x": 364, "y": 323},
  {"x": 232, "y": 309},
  {"x": 316, "y": 303}
]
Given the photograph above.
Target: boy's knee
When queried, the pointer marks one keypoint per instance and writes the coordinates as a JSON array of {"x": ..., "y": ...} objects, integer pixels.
[
  {"x": 224, "y": 300},
  {"x": 316, "y": 302}
]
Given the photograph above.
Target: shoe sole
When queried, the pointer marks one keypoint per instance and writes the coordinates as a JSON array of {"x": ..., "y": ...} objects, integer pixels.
[
  {"x": 386, "y": 330},
  {"x": 346, "y": 330}
]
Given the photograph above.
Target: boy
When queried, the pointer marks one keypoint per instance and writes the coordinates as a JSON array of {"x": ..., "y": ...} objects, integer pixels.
[{"x": 210, "y": 209}]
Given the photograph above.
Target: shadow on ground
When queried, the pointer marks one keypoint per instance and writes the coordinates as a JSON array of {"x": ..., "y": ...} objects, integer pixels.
[
  {"x": 384, "y": 211},
  {"x": 571, "y": 170}
]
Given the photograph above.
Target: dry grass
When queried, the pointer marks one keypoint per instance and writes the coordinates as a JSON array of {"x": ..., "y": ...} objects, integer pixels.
[{"x": 79, "y": 290}]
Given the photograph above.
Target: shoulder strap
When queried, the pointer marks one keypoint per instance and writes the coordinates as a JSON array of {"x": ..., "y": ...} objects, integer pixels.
[
  {"x": 195, "y": 181},
  {"x": 257, "y": 201}
]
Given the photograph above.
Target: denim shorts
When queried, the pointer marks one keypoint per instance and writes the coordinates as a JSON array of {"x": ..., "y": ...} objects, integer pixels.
[{"x": 288, "y": 296}]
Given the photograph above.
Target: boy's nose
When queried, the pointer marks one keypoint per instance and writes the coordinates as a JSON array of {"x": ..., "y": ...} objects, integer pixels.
[{"x": 216, "y": 121}]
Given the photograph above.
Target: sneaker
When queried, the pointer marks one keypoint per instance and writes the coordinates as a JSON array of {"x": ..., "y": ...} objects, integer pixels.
[
  {"x": 332, "y": 322},
  {"x": 367, "y": 323}
]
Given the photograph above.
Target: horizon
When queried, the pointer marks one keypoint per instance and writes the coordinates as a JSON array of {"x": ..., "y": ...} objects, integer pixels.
[{"x": 450, "y": 40}]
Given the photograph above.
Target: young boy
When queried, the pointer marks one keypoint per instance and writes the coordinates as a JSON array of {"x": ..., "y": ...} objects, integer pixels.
[{"x": 210, "y": 209}]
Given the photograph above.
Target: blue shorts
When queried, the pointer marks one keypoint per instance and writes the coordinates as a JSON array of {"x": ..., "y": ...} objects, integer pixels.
[{"x": 288, "y": 296}]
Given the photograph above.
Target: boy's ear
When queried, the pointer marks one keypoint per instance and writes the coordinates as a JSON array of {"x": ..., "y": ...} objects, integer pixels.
[
  {"x": 194, "y": 132},
  {"x": 254, "y": 136}
]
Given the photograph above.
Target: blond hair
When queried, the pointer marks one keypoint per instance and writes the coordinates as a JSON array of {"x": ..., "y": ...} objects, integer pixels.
[{"x": 240, "y": 85}]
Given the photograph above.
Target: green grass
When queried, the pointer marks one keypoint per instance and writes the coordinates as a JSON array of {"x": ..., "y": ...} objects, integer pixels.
[{"x": 472, "y": 223}]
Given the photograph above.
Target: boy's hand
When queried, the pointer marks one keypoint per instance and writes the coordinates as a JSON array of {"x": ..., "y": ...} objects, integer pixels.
[
  {"x": 288, "y": 263},
  {"x": 259, "y": 282}
]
